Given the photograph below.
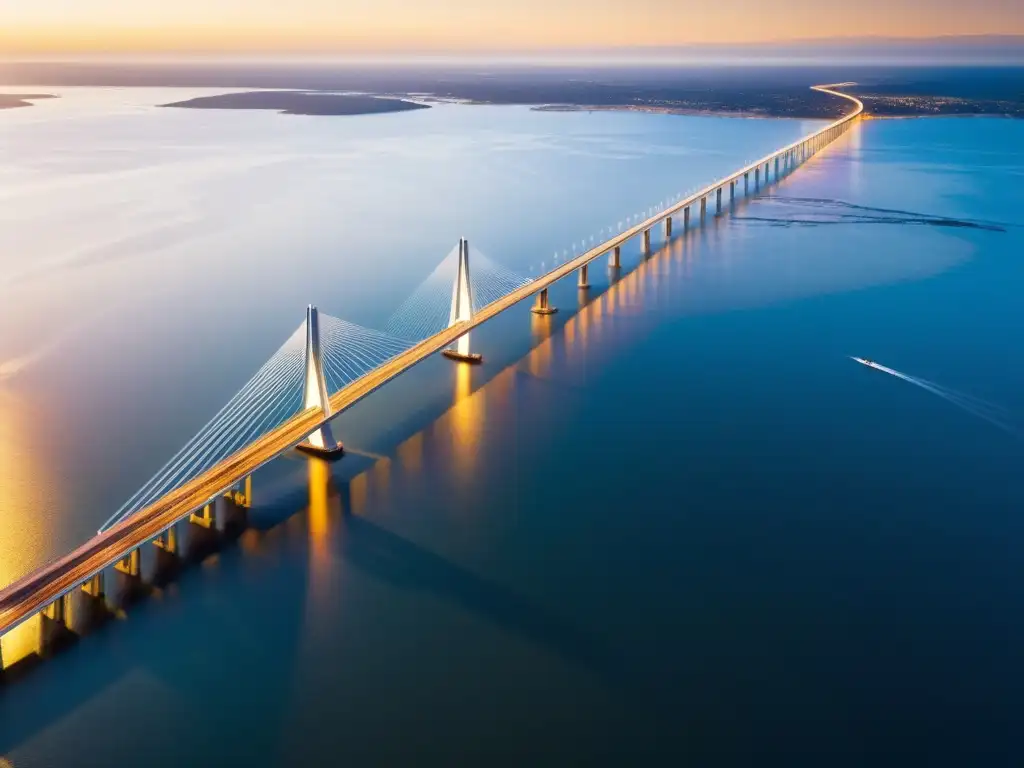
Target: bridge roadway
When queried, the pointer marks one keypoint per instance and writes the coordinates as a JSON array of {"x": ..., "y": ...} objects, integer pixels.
[{"x": 27, "y": 597}]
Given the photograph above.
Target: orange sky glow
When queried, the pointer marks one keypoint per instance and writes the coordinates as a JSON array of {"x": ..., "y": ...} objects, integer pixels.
[{"x": 365, "y": 26}]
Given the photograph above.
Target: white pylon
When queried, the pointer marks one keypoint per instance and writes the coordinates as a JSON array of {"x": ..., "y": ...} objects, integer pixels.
[
  {"x": 462, "y": 307},
  {"x": 314, "y": 394}
]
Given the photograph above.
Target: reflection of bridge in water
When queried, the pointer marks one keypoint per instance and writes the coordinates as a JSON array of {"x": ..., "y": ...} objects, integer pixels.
[{"x": 288, "y": 404}]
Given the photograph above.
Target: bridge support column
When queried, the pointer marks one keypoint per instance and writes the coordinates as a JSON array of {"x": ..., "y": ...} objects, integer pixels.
[
  {"x": 241, "y": 494},
  {"x": 53, "y": 626},
  {"x": 542, "y": 307},
  {"x": 95, "y": 595},
  {"x": 321, "y": 442},
  {"x": 777, "y": 168},
  {"x": 732, "y": 192},
  {"x": 462, "y": 308},
  {"x": 718, "y": 201},
  {"x": 168, "y": 551},
  {"x": 583, "y": 283},
  {"x": 129, "y": 570},
  {"x": 668, "y": 228},
  {"x": 703, "y": 209},
  {"x": 757, "y": 177},
  {"x": 615, "y": 257},
  {"x": 205, "y": 518},
  {"x": 203, "y": 531},
  {"x": 746, "y": 183},
  {"x": 686, "y": 219},
  {"x": 647, "y": 241}
]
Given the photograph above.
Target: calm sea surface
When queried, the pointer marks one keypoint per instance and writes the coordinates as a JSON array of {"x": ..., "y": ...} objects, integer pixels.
[{"x": 672, "y": 521}]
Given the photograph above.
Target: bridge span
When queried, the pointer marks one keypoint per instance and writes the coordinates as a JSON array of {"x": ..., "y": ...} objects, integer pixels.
[{"x": 44, "y": 591}]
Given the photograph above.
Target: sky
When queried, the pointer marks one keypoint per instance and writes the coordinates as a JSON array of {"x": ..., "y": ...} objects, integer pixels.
[{"x": 362, "y": 26}]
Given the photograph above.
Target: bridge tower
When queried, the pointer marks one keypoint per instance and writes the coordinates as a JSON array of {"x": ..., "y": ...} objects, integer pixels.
[
  {"x": 462, "y": 308},
  {"x": 314, "y": 392}
]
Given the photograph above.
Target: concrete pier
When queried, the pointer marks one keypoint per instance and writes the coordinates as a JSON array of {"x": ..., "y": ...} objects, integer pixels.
[
  {"x": 647, "y": 241},
  {"x": 703, "y": 208},
  {"x": 94, "y": 599},
  {"x": 129, "y": 576},
  {"x": 203, "y": 535},
  {"x": 54, "y": 632},
  {"x": 668, "y": 227},
  {"x": 542, "y": 307},
  {"x": 686, "y": 219},
  {"x": 583, "y": 283},
  {"x": 757, "y": 177},
  {"x": 615, "y": 257},
  {"x": 718, "y": 201},
  {"x": 168, "y": 554}
]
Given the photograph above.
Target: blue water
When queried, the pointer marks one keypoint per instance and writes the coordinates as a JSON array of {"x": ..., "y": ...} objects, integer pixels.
[{"x": 676, "y": 525}]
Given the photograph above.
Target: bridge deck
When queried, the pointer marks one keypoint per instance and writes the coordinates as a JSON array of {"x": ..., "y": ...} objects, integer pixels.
[{"x": 25, "y": 598}]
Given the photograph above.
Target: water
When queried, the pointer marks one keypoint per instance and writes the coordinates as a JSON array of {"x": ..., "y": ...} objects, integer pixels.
[{"x": 679, "y": 523}]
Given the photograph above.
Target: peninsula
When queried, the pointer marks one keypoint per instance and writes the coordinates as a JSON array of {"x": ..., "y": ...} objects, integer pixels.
[
  {"x": 301, "y": 103},
  {"x": 12, "y": 100}
]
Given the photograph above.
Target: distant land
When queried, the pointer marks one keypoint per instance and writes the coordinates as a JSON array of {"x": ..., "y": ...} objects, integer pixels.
[
  {"x": 301, "y": 103},
  {"x": 754, "y": 90},
  {"x": 13, "y": 100}
]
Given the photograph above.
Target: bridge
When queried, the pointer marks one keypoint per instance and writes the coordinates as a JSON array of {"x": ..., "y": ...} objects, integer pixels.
[{"x": 271, "y": 416}]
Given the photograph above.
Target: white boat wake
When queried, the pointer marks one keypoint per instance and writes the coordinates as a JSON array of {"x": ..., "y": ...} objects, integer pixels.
[{"x": 994, "y": 414}]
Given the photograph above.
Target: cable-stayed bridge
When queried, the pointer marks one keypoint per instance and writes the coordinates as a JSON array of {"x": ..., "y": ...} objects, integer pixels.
[{"x": 329, "y": 364}]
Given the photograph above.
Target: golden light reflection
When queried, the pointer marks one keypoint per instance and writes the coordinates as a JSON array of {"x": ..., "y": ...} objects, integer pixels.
[
  {"x": 467, "y": 417},
  {"x": 321, "y": 485},
  {"x": 28, "y": 497}
]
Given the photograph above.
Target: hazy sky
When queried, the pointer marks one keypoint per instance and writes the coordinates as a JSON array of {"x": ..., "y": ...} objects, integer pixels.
[{"x": 41, "y": 26}]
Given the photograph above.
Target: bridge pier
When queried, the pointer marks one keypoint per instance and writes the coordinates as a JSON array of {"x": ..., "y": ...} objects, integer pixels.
[
  {"x": 746, "y": 183},
  {"x": 718, "y": 201},
  {"x": 668, "y": 228},
  {"x": 129, "y": 570},
  {"x": 205, "y": 518},
  {"x": 583, "y": 284},
  {"x": 462, "y": 309},
  {"x": 241, "y": 498},
  {"x": 686, "y": 219},
  {"x": 168, "y": 553},
  {"x": 95, "y": 598},
  {"x": 542, "y": 307},
  {"x": 54, "y": 632},
  {"x": 732, "y": 192},
  {"x": 757, "y": 178},
  {"x": 703, "y": 209},
  {"x": 203, "y": 533},
  {"x": 777, "y": 167},
  {"x": 615, "y": 258},
  {"x": 647, "y": 241}
]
